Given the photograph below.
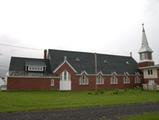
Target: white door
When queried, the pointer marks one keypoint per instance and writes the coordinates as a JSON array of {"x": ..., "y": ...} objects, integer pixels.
[
  {"x": 151, "y": 82},
  {"x": 65, "y": 81}
]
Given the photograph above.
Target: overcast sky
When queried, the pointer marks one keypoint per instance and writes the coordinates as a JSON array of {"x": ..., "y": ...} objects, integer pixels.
[{"x": 102, "y": 26}]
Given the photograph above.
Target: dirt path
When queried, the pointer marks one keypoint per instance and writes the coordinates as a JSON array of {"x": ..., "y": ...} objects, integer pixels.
[{"x": 98, "y": 113}]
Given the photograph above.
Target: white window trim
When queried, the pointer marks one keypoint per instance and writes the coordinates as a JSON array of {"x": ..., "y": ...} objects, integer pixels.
[
  {"x": 35, "y": 68},
  {"x": 114, "y": 79},
  {"x": 137, "y": 79},
  {"x": 52, "y": 82},
  {"x": 126, "y": 80},
  {"x": 84, "y": 81},
  {"x": 150, "y": 72},
  {"x": 99, "y": 79},
  {"x": 63, "y": 77}
]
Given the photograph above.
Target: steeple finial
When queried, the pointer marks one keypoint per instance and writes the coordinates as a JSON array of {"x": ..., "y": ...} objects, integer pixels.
[
  {"x": 143, "y": 30},
  {"x": 142, "y": 24}
]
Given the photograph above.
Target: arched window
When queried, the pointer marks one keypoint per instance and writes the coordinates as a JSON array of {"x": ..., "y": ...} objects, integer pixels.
[
  {"x": 137, "y": 78},
  {"x": 83, "y": 80},
  {"x": 52, "y": 82},
  {"x": 114, "y": 79},
  {"x": 126, "y": 79},
  {"x": 99, "y": 79},
  {"x": 65, "y": 75}
]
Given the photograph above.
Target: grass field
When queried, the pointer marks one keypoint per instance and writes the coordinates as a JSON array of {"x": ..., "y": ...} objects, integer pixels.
[
  {"x": 38, "y": 100},
  {"x": 145, "y": 116}
]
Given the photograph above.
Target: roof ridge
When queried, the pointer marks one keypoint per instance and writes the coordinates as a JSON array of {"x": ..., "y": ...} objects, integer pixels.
[
  {"x": 88, "y": 52},
  {"x": 27, "y": 58}
]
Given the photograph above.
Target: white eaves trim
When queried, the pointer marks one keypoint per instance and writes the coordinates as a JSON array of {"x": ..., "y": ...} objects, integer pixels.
[
  {"x": 100, "y": 73},
  {"x": 141, "y": 61},
  {"x": 65, "y": 61},
  {"x": 84, "y": 72}
]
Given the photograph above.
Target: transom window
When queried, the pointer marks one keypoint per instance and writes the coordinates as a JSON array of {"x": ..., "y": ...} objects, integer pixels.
[
  {"x": 83, "y": 80},
  {"x": 99, "y": 79},
  {"x": 65, "y": 75},
  {"x": 114, "y": 79}
]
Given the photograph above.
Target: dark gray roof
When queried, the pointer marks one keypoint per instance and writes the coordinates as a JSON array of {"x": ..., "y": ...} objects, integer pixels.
[
  {"x": 83, "y": 61},
  {"x": 31, "y": 62},
  {"x": 17, "y": 64}
]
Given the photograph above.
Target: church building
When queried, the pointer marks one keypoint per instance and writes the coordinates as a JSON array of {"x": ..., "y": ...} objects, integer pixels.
[
  {"x": 147, "y": 66},
  {"x": 71, "y": 70}
]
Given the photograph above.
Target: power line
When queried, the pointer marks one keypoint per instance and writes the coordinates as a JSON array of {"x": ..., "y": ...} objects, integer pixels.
[{"x": 22, "y": 47}]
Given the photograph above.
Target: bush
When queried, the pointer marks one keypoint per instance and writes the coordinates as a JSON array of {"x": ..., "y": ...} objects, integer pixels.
[{"x": 97, "y": 92}]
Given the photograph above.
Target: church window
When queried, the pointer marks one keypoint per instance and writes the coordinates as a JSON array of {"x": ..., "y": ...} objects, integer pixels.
[
  {"x": 65, "y": 75},
  {"x": 137, "y": 78},
  {"x": 114, "y": 79},
  {"x": 83, "y": 80},
  {"x": 99, "y": 79},
  {"x": 126, "y": 79}
]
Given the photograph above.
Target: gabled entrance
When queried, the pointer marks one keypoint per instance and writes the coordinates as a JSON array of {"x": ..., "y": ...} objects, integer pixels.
[{"x": 65, "y": 81}]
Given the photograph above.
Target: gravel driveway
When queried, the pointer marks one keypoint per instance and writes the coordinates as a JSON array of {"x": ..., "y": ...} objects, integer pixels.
[{"x": 98, "y": 113}]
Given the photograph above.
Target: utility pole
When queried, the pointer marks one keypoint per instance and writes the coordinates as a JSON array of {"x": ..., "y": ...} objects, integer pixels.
[{"x": 95, "y": 62}]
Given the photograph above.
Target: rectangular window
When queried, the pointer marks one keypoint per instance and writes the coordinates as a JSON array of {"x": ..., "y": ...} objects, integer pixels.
[
  {"x": 150, "y": 72},
  {"x": 52, "y": 82},
  {"x": 35, "y": 68}
]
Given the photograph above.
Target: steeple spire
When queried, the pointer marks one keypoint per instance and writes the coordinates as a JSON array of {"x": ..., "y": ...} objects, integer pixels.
[
  {"x": 145, "y": 51},
  {"x": 144, "y": 45}
]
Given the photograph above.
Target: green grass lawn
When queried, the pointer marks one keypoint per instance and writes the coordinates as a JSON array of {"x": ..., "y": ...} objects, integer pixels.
[
  {"x": 145, "y": 116},
  {"x": 38, "y": 100}
]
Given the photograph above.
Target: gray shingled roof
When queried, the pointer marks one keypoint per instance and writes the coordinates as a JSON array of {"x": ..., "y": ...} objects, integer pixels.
[
  {"x": 80, "y": 61},
  {"x": 39, "y": 62},
  {"x": 17, "y": 64},
  {"x": 83, "y": 61}
]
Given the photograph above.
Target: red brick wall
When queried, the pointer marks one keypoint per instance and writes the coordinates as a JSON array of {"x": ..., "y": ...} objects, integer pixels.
[
  {"x": 144, "y": 64},
  {"x": 92, "y": 81},
  {"x": 23, "y": 83},
  {"x": 44, "y": 83}
]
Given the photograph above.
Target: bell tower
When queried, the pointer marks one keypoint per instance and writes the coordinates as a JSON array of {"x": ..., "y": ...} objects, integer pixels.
[{"x": 145, "y": 51}]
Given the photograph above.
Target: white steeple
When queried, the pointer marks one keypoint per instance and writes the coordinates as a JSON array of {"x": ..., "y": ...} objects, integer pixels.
[{"x": 144, "y": 46}]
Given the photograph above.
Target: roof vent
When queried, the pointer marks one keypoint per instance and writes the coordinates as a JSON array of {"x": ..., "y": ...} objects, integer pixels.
[
  {"x": 127, "y": 62},
  {"x": 65, "y": 57},
  {"x": 77, "y": 59},
  {"x": 105, "y": 61}
]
